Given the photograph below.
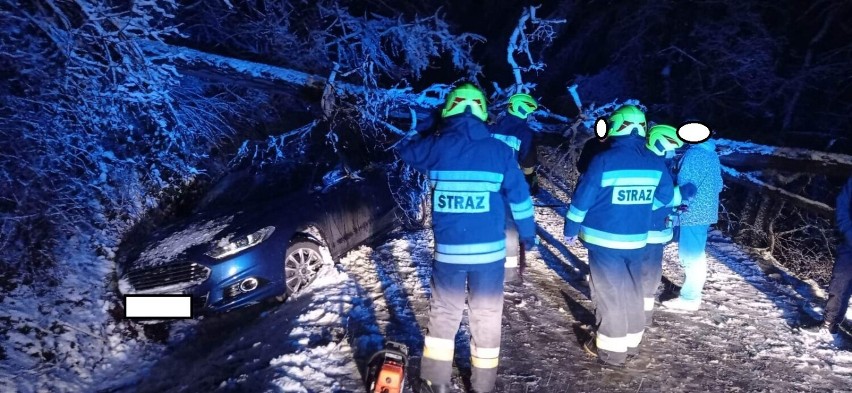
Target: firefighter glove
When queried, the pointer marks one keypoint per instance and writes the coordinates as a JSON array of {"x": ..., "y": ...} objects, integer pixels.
[
  {"x": 570, "y": 240},
  {"x": 530, "y": 243}
]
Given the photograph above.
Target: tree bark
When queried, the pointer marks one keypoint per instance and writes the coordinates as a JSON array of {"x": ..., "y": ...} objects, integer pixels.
[
  {"x": 224, "y": 68},
  {"x": 753, "y": 156}
]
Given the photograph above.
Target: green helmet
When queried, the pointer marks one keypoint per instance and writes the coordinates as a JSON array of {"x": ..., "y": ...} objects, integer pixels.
[
  {"x": 663, "y": 139},
  {"x": 466, "y": 95},
  {"x": 625, "y": 120},
  {"x": 521, "y": 105}
]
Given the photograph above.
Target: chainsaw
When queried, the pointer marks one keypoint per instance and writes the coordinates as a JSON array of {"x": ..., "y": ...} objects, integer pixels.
[{"x": 386, "y": 369}]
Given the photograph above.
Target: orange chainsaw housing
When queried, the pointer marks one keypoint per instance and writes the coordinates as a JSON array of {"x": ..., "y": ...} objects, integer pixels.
[{"x": 390, "y": 378}]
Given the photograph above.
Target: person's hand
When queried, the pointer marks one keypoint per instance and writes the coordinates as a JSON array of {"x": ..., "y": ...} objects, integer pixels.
[
  {"x": 570, "y": 240},
  {"x": 530, "y": 243}
]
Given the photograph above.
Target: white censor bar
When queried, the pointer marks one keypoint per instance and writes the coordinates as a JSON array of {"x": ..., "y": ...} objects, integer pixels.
[{"x": 158, "y": 306}]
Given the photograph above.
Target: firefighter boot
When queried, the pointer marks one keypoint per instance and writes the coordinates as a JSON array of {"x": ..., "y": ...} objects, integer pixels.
[{"x": 426, "y": 386}]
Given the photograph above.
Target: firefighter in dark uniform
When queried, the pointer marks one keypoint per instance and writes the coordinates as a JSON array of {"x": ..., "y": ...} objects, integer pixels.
[
  {"x": 474, "y": 176},
  {"x": 610, "y": 213},
  {"x": 514, "y": 131},
  {"x": 662, "y": 142}
]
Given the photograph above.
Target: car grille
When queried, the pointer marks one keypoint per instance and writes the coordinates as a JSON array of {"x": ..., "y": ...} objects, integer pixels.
[{"x": 171, "y": 274}]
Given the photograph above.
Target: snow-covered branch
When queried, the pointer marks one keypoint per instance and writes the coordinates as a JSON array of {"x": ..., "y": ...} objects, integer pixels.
[
  {"x": 751, "y": 181},
  {"x": 539, "y": 30},
  {"x": 756, "y": 156}
]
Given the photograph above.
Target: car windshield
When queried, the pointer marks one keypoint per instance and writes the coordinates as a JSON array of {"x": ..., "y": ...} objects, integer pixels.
[{"x": 250, "y": 185}]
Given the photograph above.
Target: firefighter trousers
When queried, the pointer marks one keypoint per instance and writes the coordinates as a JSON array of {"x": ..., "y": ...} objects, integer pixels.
[
  {"x": 616, "y": 287},
  {"x": 484, "y": 285},
  {"x": 652, "y": 273}
]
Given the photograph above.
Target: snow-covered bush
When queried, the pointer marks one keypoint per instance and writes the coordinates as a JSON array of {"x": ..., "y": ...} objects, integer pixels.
[{"x": 91, "y": 133}]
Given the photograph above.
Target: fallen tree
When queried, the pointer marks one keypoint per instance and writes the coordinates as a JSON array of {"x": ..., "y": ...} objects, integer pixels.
[
  {"x": 746, "y": 155},
  {"x": 751, "y": 181}
]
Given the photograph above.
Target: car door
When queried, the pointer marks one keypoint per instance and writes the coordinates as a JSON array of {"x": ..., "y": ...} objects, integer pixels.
[
  {"x": 346, "y": 214},
  {"x": 382, "y": 202},
  {"x": 358, "y": 207}
]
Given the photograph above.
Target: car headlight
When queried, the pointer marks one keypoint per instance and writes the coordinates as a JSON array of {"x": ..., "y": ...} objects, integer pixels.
[{"x": 232, "y": 246}]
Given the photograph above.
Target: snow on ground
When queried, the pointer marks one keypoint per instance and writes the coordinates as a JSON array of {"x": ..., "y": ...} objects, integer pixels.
[
  {"x": 743, "y": 339},
  {"x": 62, "y": 338}
]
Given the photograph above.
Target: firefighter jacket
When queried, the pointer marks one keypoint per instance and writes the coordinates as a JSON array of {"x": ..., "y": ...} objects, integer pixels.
[
  {"x": 700, "y": 166},
  {"x": 844, "y": 212},
  {"x": 516, "y": 133},
  {"x": 471, "y": 174},
  {"x": 662, "y": 217},
  {"x": 591, "y": 148},
  {"x": 611, "y": 206}
]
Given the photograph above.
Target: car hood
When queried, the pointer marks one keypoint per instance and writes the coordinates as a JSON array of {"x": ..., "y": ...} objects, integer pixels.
[{"x": 189, "y": 238}]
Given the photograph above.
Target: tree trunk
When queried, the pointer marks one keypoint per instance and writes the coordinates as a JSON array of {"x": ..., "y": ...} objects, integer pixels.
[
  {"x": 747, "y": 212},
  {"x": 753, "y": 156}
]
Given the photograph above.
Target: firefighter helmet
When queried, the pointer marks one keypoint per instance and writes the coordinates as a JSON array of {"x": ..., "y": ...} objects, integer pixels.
[
  {"x": 663, "y": 139},
  {"x": 521, "y": 105},
  {"x": 465, "y": 96},
  {"x": 625, "y": 120}
]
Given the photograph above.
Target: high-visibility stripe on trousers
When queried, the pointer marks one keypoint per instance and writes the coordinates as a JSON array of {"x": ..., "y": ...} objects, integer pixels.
[
  {"x": 512, "y": 244},
  {"x": 616, "y": 288},
  {"x": 652, "y": 272},
  {"x": 485, "y": 302},
  {"x": 513, "y": 249}
]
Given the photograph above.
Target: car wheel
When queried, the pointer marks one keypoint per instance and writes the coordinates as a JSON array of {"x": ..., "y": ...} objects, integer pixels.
[{"x": 301, "y": 265}]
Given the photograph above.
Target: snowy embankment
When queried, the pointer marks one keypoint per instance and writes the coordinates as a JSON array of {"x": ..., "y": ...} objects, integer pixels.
[
  {"x": 61, "y": 337},
  {"x": 743, "y": 339}
]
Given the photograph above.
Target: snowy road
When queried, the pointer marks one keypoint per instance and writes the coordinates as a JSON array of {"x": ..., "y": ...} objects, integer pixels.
[{"x": 741, "y": 339}]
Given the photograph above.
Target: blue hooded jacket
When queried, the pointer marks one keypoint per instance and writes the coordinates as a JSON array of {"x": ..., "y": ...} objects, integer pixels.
[
  {"x": 471, "y": 173},
  {"x": 700, "y": 166},
  {"x": 611, "y": 206}
]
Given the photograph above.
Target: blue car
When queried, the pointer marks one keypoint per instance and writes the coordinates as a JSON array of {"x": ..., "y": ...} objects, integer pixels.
[{"x": 260, "y": 234}]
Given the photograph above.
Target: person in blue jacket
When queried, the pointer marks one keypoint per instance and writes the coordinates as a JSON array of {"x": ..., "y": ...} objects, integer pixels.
[
  {"x": 513, "y": 130},
  {"x": 840, "y": 286},
  {"x": 662, "y": 142},
  {"x": 473, "y": 175},
  {"x": 700, "y": 166},
  {"x": 610, "y": 213}
]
